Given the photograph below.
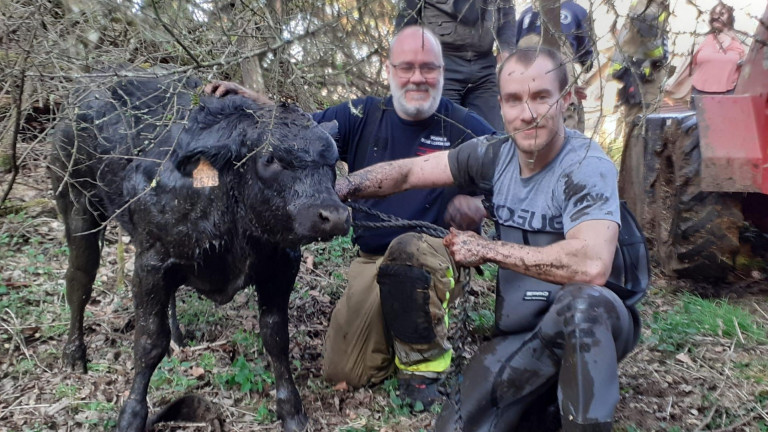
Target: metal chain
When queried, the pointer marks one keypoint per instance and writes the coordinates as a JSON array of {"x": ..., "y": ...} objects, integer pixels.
[
  {"x": 396, "y": 222},
  {"x": 459, "y": 421}
]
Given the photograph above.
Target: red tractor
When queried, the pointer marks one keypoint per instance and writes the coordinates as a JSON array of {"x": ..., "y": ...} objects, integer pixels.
[{"x": 698, "y": 181}]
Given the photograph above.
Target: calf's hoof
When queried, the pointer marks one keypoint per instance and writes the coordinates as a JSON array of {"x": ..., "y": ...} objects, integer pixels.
[
  {"x": 297, "y": 423},
  {"x": 74, "y": 357},
  {"x": 133, "y": 416}
]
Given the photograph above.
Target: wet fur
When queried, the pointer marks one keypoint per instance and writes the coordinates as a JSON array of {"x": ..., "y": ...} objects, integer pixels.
[{"x": 129, "y": 149}]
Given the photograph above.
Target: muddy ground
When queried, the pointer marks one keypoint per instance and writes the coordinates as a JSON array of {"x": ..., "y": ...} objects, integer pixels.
[{"x": 706, "y": 382}]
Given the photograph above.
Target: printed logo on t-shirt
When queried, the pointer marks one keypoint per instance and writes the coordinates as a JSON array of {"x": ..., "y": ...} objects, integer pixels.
[
  {"x": 537, "y": 295},
  {"x": 528, "y": 219},
  {"x": 436, "y": 141}
]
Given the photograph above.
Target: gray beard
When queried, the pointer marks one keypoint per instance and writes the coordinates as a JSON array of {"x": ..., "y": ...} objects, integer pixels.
[{"x": 417, "y": 112}]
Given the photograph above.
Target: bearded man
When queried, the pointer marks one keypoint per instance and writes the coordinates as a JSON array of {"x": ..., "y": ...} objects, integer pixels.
[{"x": 393, "y": 313}]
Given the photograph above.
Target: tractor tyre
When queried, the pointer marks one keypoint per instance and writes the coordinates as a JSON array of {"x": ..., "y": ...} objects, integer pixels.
[{"x": 693, "y": 234}]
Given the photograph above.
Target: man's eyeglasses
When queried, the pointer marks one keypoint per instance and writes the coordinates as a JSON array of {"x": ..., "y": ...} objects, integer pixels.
[{"x": 427, "y": 70}]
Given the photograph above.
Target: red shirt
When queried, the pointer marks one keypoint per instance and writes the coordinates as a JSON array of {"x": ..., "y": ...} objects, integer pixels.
[{"x": 715, "y": 70}]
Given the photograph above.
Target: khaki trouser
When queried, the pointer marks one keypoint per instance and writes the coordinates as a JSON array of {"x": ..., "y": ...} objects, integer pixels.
[{"x": 359, "y": 348}]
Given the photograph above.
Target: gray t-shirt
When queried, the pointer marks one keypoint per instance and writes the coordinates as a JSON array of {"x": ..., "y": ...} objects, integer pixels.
[{"x": 580, "y": 184}]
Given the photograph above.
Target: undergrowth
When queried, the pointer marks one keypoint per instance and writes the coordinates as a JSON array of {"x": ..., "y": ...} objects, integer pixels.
[{"x": 694, "y": 316}]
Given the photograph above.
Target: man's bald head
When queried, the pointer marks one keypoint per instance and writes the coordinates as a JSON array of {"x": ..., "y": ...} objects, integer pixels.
[{"x": 418, "y": 33}]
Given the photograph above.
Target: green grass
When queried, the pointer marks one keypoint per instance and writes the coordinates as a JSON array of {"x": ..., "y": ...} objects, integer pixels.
[
  {"x": 398, "y": 407},
  {"x": 672, "y": 330},
  {"x": 755, "y": 370},
  {"x": 482, "y": 321},
  {"x": 329, "y": 258},
  {"x": 264, "y": 415},
  {"x": 248, "y": 341},
  {"x": 169, "y": 375},
  {"x": 337, "y": 252},
  {"x": 65, "y": 391},
  {"x": 196, "y": 313},
  {"x": 247, "y": 375},
  {"x": 32, "y": 280},
  {"x": 490, "y": 271}
]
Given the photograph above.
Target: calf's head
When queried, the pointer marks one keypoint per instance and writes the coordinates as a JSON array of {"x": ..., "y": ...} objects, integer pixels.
[{"x": 276, "y": 163}]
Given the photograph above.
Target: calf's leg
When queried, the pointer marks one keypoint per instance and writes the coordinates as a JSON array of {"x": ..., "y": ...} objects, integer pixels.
[
  {"x": 151, "y": 294},
  {"x": 83, "y": 233},
  {"x": 274, "y": 293},
  {"x": 177, "y": 336}
]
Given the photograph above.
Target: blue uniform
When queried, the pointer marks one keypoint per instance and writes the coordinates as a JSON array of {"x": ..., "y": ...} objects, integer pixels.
[
  {"x": 396, "y": 138},
  {"x": 574, "y": 22}
]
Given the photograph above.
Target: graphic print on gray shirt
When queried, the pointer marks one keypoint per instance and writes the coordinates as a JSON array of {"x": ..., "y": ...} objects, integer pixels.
[{"x": 577, "y": 186}]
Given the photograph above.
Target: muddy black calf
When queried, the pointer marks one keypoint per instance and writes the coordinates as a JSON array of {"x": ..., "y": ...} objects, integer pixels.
[{"x": 217, "y": 196}]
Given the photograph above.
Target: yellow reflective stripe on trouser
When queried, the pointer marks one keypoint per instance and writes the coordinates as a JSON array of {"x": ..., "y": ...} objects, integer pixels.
[
  {"x": 656, "y": 53},
  {"x": 442, "y": 363},
  {"x": 439, "y": 364},
  {"x": 449, "y": 274}
]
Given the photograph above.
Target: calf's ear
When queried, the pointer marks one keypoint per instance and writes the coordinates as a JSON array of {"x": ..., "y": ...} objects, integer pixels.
[
  {"x": 217, "y": 155},
  {"x": 202, "y": 172},
  {"x": 187, "y": 163},
  {"x": 331, "y": 128}
]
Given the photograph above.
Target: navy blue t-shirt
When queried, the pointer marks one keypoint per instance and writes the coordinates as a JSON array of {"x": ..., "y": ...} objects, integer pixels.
[
  {"x": 575, "y": 24},
  {"x": 395, "y": 138}
]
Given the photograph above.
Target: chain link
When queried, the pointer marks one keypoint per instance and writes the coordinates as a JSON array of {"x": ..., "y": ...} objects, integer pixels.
[{"x": 396, "y": 222}]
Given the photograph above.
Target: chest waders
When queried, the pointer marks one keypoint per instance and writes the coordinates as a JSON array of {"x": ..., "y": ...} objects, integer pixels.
[{"x": 567, "y": 337}]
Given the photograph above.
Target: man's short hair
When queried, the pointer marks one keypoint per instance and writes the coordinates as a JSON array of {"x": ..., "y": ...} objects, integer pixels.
[
  {"x": 526, "y": 56},
  {"x": 426, "y": 31}
]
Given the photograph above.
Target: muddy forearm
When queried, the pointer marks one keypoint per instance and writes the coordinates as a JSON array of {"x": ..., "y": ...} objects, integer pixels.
[
  {"x": 375, "y": 181},
  {"x": 559, "y": 263}
]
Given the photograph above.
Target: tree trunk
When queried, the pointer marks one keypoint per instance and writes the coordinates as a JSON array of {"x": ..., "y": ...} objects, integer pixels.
[{"x": 549, "y": 11}]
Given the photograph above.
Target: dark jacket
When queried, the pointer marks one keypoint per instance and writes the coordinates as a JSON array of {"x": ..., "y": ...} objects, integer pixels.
[{"x": 466, "y": 28}]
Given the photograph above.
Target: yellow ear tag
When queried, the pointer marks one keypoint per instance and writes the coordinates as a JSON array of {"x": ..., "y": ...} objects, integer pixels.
[{"x": 205, "y": 175}]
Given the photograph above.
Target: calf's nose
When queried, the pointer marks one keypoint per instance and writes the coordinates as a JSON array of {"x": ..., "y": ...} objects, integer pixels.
[{"x": 333, "y": 220}]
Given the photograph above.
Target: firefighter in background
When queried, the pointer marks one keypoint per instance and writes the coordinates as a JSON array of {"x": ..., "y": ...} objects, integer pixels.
[
  {"x": 640, "y": 59},
  {"x": 576, "y": 47}
]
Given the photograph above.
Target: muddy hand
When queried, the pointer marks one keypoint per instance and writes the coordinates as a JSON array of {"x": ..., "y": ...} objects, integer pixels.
[
  {"x": 467, "y": 248},
  {"x": 226, "y": 88},
  {"x": 343, "y": 188}
]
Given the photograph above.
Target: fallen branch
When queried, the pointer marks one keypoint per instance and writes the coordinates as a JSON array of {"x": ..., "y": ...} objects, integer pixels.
[
  {"x": 16, "y": 118},
  {"x": 15, "y": 208}
]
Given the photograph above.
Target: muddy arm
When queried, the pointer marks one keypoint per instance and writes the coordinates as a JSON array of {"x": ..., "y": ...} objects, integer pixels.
[{"x": 585, "y": 256}]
